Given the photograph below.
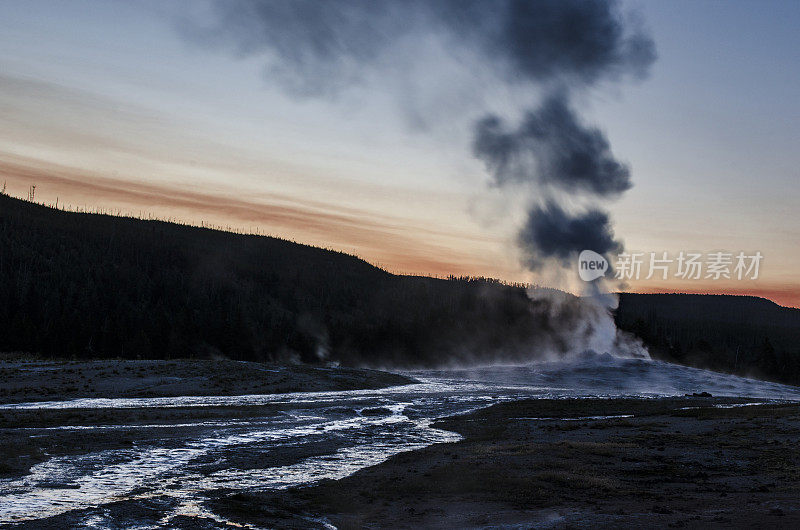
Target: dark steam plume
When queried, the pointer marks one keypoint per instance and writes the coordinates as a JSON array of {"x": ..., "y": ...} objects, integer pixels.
[
  {"x": 572, "y": 40},
  {"x": 314, "y": 47},
  {"x": 550, "y": 146},
  {"x": 552, "y": 233},
  {"x": 554, "y": 47}
]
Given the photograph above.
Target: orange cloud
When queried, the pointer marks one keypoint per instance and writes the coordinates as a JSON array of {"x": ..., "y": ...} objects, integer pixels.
[{"x": 388, "y": 242}]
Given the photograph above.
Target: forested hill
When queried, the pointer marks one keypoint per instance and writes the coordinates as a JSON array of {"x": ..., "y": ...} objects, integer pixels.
[
  {"x": 93, "y": 286},
  {"x": 87, "y": 285},
  {"x": 739, "y": 334}
]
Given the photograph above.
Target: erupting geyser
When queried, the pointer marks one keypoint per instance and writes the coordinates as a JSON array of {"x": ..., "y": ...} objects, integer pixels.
[{"x": 551, "y": 49}]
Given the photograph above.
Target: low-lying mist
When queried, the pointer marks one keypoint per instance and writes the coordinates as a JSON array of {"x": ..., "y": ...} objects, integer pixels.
[{"x": 520, "y": 327}]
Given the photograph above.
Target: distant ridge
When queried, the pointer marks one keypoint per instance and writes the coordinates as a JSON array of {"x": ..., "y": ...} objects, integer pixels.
[{"x": 747, "y": 335}]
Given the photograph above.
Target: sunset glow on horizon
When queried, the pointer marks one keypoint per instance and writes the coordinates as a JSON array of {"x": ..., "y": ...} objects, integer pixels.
[{"x": 114, "y": 108}]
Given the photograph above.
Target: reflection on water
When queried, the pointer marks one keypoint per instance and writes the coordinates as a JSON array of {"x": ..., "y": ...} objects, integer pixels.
[
  {"x": 320, "y": 435},
  {"x": 88, "y": 480}
]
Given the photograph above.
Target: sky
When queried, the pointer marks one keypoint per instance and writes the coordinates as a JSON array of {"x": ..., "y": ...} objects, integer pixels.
[{"x": 137, "y": 108}]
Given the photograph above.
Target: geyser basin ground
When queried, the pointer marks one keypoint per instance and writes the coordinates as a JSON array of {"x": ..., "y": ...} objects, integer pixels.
[
  {"x": 179, "y": 461},
  {"x": 617, "y": 463}
]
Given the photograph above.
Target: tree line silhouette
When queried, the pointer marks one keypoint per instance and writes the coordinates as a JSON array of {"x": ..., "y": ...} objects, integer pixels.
[
  {"x": 99, "y": 286},
  {"x": 89, "y": 285},
  {"x": 744, "y": 335}
]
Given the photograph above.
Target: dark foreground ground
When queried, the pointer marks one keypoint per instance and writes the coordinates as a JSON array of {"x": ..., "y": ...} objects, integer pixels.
[
  {"x": 670, "y": 464},
  {"x": 23, "y": 380}
]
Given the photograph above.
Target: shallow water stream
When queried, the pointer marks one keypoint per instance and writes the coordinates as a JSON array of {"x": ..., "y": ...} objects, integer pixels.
[{"x": 169, "y": 468}]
